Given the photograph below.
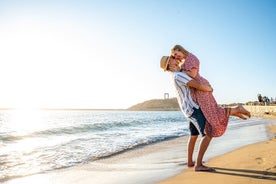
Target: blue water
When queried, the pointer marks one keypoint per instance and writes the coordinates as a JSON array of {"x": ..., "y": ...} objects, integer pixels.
[{"x": 36, "y": 141}]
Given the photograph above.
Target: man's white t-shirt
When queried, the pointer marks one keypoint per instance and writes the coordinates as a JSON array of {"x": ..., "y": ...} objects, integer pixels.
[{"x": 183, "y": 93}]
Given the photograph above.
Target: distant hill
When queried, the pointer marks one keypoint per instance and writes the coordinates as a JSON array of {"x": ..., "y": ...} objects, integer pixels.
[{"x": 170, "y": 104}]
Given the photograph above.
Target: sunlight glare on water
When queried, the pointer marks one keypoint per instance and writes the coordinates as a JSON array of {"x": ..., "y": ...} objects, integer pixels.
[{"x": 25, "y": 121}]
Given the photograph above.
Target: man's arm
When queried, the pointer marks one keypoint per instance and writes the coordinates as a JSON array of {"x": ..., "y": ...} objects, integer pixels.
[{"x": 194, "y": 84}]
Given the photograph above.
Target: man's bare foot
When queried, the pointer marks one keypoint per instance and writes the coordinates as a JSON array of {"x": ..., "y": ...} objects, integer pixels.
[
  {"x": 204, "y": 168},
  {"x": 191, "y": 164}
]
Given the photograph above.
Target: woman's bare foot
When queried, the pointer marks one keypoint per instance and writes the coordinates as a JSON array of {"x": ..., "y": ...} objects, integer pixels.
[
  {"x": 240, "y": 116},
  {"x": 244, "y": 111},
  {"x": 240, "y": 112}
]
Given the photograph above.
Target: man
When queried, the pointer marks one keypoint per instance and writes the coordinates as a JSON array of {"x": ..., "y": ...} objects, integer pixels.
[{"x": 182, "y": 82}]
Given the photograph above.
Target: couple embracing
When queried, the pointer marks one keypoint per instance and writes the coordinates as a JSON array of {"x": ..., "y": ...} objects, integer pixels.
[{"x": 196, "y": 101}]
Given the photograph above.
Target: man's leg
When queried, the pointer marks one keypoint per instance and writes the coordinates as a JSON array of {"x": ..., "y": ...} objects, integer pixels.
[
  {"x": 191, "y": 142},
  {"x": 200, "y": 123},
  {"x": 191, "y": 146},
  {"x": 202, "y": 149}
]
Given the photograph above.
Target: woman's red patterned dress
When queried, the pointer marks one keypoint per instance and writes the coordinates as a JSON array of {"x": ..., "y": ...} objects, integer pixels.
[{"x": 216, "y": 116}]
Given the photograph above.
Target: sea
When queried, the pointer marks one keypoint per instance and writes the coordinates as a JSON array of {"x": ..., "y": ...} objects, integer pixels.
[{"x": 35, "y": 141}]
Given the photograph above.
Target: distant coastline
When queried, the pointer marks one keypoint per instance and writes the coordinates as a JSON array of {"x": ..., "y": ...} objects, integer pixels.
[
  {"x": 69, "y": 109},
  {"x": 169, "y": 104}
]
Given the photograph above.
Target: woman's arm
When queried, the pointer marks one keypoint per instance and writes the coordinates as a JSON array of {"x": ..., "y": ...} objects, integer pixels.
[{"x": 194, "y": 84}]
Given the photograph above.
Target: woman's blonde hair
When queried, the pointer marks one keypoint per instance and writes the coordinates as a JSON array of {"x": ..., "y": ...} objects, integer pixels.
[{"x": 179, "y": 48}]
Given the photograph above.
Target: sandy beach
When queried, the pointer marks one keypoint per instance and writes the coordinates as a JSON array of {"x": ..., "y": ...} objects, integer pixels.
[{"x": 252, "y": 164}]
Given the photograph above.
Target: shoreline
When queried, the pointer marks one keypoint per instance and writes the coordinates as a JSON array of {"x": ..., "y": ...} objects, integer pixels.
[{"x": 253, "y": 163}]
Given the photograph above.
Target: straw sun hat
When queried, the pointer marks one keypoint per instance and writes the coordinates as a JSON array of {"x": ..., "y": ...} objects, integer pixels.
[{"x": 164, "y": 62}]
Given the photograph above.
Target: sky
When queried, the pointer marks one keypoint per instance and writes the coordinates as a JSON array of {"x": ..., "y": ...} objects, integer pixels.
[{"x": 105, "y": 53}]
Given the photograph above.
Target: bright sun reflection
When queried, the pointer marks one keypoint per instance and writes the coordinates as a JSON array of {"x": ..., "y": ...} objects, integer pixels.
[{"x": 25, "y": 121}]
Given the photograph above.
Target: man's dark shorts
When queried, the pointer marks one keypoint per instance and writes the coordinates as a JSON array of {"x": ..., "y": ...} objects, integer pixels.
[{"x": 197, "y": 122}]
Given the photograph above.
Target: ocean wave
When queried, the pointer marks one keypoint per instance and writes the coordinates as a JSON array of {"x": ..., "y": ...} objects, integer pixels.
[
  {"x": 71, "y": 138},
  {"x": 80, "y": 128}
]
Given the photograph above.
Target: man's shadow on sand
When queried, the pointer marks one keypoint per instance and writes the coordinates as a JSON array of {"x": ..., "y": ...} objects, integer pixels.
[{"x": 266, "y": 175}]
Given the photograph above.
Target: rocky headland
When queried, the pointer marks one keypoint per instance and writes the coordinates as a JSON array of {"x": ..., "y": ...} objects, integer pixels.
[{"x": 170, "y": 104}]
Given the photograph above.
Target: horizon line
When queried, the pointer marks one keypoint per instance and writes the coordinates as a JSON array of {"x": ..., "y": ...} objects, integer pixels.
[{"x": 58, "y": 108}]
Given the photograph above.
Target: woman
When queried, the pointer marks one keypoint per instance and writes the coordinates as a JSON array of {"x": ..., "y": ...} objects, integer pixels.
[{"x": 216, "y": 116}]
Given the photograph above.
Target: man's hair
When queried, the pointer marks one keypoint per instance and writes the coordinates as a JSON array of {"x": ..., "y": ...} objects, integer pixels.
[{"x": 179, "y": 48}]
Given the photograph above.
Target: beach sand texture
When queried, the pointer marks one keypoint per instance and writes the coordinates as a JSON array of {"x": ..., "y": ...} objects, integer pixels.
[{"x": 252, "y": 164}]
